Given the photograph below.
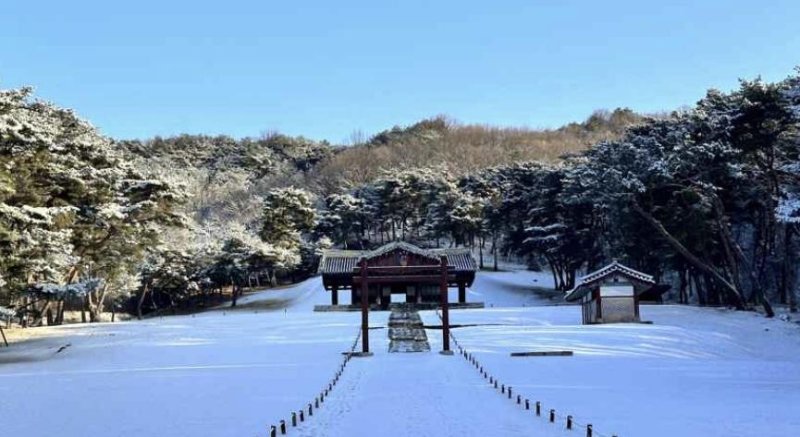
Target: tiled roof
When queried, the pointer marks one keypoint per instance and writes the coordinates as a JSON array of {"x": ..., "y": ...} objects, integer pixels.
[
  {"x": 386, "y": 248},
  {"x": 343, "y": 261},
  {"x": 583, "y": 285}
]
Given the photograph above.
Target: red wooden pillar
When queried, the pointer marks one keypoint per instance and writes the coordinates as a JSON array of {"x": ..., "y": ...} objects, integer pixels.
[
  {"x": 445, "y": 309},
  {"x": 462, "y": 292},
  {"x": 364, "y": 307},
  {"x": 335, "y": 295}
]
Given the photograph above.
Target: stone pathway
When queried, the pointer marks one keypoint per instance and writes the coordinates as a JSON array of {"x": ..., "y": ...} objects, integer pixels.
[{"x": 406, "y": 331}]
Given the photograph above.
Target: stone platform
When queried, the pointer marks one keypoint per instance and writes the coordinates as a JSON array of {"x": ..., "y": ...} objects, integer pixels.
[
  {"x": 406, "y": 331},
  {"x": 395, "y": 306}
]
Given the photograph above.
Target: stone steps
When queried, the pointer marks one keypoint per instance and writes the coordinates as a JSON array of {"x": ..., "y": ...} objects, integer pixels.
[{"x": 406, "y": 331}]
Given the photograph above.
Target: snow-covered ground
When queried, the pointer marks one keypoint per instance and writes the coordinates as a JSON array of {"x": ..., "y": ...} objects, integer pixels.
[{"x": 694, "y": 372}]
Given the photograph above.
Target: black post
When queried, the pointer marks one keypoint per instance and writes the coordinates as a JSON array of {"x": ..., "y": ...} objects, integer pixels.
[
  {"x": 538, "y": 408},
  {"x": 302, "y": 416},
  {"x": 273, "y": 432},
  {"x": 310, "y": 410},
  {"x": 283, "y": 427},
  {"x": 445, "y": 309},
  {"x": 527, "y": 404},
  {"x": 509, "y": 392},
  {"x": 569, "y": 422},
  {"x": 294, "y": 418},
  {"x": 589, "y": 430},
  {"x": 552, "y": 415}
]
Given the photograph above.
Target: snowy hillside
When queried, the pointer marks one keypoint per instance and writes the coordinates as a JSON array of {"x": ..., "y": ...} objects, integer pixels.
[{"x": 694, "y": 372}]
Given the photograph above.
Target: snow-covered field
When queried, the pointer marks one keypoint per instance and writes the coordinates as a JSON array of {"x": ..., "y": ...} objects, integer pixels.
[{"x": 694, "y": 372}]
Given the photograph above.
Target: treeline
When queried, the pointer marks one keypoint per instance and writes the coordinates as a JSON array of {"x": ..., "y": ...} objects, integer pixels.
[
  {"x": 461, "y": 148},
  {"x": 86, "y": 225},
  {"x": 706, "y": 199}
]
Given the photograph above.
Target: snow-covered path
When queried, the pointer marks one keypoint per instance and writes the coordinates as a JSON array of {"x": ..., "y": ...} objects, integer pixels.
[
  {"x": 419, "y": 394},
  {"x": 694, "y": 372}
]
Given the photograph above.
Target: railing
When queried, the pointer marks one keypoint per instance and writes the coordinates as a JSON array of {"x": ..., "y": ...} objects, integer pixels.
[{"x": 523, "y": 402}]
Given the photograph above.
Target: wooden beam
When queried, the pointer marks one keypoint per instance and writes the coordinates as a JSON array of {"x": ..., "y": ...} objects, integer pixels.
[
  {"x": 433, "y": 268},
  {"x": 364, "y": 308},
  {"x": 432, "y": 279}
]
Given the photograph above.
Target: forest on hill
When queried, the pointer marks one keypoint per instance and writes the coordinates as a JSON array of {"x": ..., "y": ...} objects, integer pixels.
[{"x": 705, "y": 198}]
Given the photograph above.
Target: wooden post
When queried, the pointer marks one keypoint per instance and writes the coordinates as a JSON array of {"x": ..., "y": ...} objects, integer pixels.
[
  {"x": 4, "y": 336},
  {"x": 445, "y": 309},
  {"x": 462, "y": 292},
  {"x": 353, "y": 300},
  {"x": 335, "y": 295},
  {"x": 364, "y": 307},
  {"x": 599, "y": 306}
]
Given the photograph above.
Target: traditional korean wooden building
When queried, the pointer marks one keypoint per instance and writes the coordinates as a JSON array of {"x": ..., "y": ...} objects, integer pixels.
[
  {"x": 611, "y": 294},
  {"x": 397, "y": 268}
]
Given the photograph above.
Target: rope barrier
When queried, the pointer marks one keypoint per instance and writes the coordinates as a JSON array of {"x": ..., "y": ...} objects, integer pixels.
[
  {"x": 273, "y": 429},
  {"x": 570, "y": 422}
]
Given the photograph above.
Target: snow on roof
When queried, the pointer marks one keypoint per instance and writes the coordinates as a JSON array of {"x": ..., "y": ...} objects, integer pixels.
[
  {"x": 401, "y": 245},
  {"x": 343, "y": 261},
  {"x": 583, "y": 285}
]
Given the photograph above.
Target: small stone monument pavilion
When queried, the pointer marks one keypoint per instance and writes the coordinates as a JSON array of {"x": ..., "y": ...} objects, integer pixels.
[{"x": 611, "y": 294}]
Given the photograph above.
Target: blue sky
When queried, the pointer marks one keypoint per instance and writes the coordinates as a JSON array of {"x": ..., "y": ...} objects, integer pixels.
[{"x": 327, "y": 68}]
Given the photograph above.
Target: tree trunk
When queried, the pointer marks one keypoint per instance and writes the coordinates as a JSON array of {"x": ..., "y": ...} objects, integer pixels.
[
  {"x": 480, "y": 253},
  {"x": 734, "y": 252},
  {"x": 495, "y": 252},
  {"x": 60, "y": 312},
  {"x": 38, "y": 320},
  {"x": 682, "y": 298},
  {"x": 734, "y": 296},
  {"x": 139, "y": 304},
  {"x": 234, "y": 293},
  {"x": 96, "y": 308}
]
